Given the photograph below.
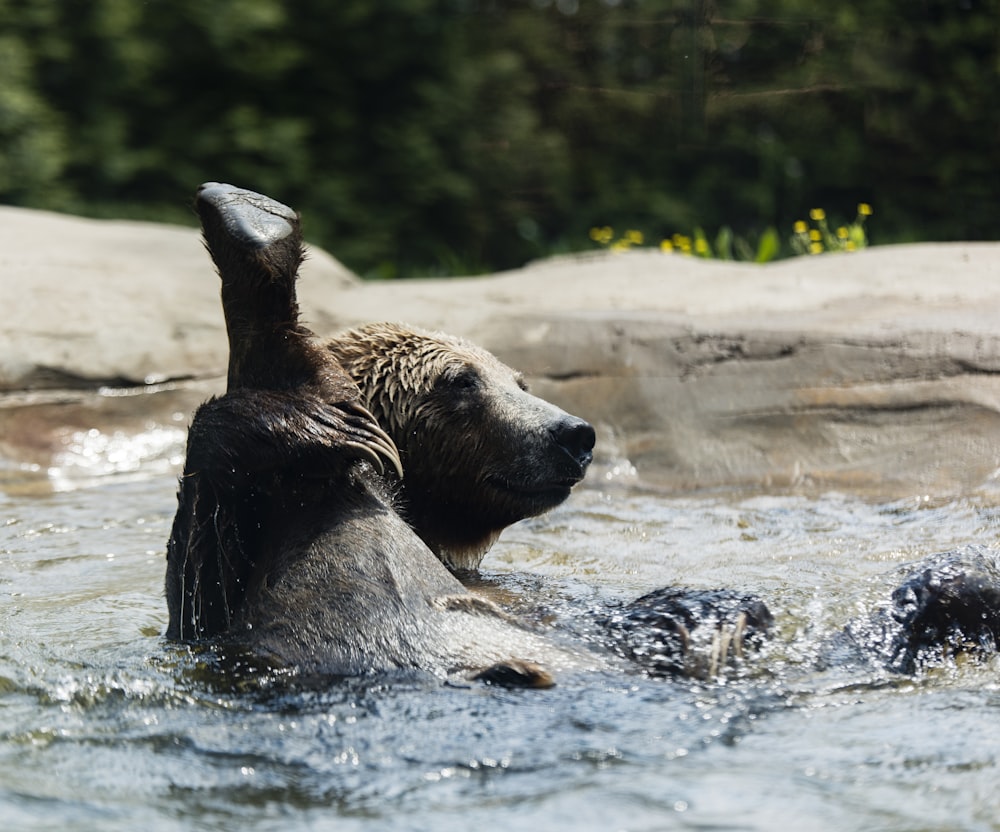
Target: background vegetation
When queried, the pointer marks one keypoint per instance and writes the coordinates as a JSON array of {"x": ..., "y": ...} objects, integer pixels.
[{"x": 422, "y": 136}]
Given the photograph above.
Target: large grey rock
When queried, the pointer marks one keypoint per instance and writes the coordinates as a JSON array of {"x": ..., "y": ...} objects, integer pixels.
[{"x": 875, "y": 370}]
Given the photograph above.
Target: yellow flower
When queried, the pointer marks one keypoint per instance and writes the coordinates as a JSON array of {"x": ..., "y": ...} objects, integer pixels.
[
  {"x": 666, "y": 246},
  {"x": 850, "y": 246},
  {"x": 634, "y": 237},
  {"x": 815, "y": 248},
  {"x": 701, "y": 246},
  {"x": 815, "y": 236},
  {"x": 817, "y": 214},
  {"x": 800, "y": 227},
  {"x": 602, "y": 235},
  {"x": 620, "y": 245},
  {"x": 865, "y": 209},
  {"x": 842, "y": 233}
]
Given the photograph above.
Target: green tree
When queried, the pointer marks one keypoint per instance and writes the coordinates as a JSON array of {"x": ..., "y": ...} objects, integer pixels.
[{"x": 421, "y": 136}]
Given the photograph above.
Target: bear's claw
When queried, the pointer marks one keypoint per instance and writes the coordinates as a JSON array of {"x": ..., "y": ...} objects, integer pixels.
[{"x": 515, "y": 673}]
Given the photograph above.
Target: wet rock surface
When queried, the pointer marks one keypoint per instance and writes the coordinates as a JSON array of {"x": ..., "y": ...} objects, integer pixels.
[{"x": 871, "y": 371}]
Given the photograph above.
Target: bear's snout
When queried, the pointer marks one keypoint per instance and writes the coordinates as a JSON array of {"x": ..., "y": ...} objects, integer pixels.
[{"x": 576, "y": 437}]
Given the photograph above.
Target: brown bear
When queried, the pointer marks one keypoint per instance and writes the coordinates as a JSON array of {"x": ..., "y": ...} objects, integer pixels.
[
  {"x": 479, "y": 452},
  {"x": 286, "y": 541}
]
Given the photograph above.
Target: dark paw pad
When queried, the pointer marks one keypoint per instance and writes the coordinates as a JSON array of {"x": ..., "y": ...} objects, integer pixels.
[{"x": 249, "y": 218}]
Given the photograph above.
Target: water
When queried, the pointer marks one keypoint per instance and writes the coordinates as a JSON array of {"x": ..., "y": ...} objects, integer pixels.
[{"x": 104, "y": 725}]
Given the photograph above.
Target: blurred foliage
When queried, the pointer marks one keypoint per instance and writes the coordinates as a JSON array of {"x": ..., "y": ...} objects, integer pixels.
[{"x": 424, "y": 136}]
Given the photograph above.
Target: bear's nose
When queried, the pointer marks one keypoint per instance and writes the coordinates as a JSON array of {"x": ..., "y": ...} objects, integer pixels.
[{"x": 576, "y": 437}]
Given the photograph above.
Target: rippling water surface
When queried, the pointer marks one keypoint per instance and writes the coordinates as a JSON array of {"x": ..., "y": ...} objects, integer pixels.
[{"x": 104, "y": 725}]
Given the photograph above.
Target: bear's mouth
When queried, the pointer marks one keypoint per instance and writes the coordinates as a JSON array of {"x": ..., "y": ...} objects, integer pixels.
[{"x": 555, "y": 490}]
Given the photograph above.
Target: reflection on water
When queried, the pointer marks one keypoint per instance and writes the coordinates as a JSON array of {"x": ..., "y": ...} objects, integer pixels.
[
  {"x": 104, "y": 725},
  {"x": 92, "y": 454},
  {"x": 87, "y": 457}
]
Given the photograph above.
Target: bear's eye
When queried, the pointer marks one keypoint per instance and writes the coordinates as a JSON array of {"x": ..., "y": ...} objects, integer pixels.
[{"x": 461, "y": 378}]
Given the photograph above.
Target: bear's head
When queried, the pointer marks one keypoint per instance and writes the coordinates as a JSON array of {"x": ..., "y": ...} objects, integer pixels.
[{"x": 479, "y": 452}]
